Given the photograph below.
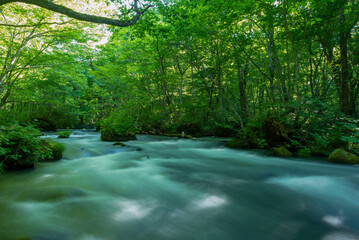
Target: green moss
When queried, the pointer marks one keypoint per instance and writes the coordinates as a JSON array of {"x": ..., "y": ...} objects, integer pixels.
[
  {"x": 20, "y": 147},
  {"x": 119, "y": 144},
  {"x": 118, "y": 126},
  {"x": 110, "y": 135},
  {"x": 342, "y": 156},
  {"x": 64, "y": 134},
  {"x": 56, "y": 149},
  {"x": 281, "y": 152}
]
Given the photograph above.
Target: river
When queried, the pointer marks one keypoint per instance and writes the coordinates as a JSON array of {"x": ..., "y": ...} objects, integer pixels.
[{"x": 161, "y": 188}]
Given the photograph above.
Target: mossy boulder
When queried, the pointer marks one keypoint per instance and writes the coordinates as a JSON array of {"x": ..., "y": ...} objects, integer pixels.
[
  {"x": 118, "y": 127},
  {"x": 56, "y": 149},
  {"x": 20, "y": 147},
  {"x": 64, "y": 134},
  {"x": 281, "y": 152},
  {"x": 238, "y": 144},
  {"x": 342, "y": 156},
  {"x": 112, "y": 136},
  {"x": 119, "y": 144}
]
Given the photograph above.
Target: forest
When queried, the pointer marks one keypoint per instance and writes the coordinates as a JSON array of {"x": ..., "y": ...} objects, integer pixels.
[
  {"x": 179, "y": 119},
  {"x": 269, "y": 73}
]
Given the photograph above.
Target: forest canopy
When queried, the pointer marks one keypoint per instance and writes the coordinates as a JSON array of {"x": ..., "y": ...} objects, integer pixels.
[
  {"x": 206, "y": 67},
  {"x": 136, "y": 11}
]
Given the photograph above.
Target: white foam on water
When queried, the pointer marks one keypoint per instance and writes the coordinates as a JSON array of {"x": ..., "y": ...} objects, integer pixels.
[
  {"x": 132, "y": 210},
  {"x": 47, "y": 175},
  {"x": 311, "y": 182},
  {"x": 211, "y": 202},
  {"x": 335, "y": 221}
]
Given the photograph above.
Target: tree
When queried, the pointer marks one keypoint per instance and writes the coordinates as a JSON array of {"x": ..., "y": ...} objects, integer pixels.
[{"x": 42, "y": 65}]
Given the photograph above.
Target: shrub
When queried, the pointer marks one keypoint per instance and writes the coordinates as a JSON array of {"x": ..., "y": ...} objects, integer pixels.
[
  {"x": 55, "y": 149},
  {"x": 64, "y": 134},
  {"x": 304, "y": 153},
  {"x": 170, "y": 128},
  {"x": 118, "y": 126},
  {"x": 20, "y": 147}
]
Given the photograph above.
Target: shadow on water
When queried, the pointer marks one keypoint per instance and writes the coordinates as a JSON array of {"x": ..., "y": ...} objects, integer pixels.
[{"x": 177, "y": 189}]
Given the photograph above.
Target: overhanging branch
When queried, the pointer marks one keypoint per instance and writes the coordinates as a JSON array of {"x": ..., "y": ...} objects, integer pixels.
[
  {"x": 34, "y": 25},
  {"x": 82, "y": 16}
]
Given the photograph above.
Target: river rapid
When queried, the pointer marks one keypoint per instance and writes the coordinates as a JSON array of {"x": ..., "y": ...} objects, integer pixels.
[{"x": 161, "y": 188}]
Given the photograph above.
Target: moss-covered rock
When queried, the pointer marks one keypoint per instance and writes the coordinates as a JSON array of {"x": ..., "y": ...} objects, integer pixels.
[
  {"x": 342, "y": 156},
  {"x": 20, "y": 147},
  {"x": 238, "y": 144},
  {"x": 281, "y": 152},
  {"x": 119, "y": 144},
  {"x": 64, "y": 134},
  {"x": 112, "y": 136},
  {"x": 56, "y": 149}
]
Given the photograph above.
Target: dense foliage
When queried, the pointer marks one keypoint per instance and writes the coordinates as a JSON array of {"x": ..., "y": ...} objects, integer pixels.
[
  {"x": 21, "y": 147},
  {"x": 64, "y": 134},
  {"x": 118, "y": 126},
  {"x": 273, "y": 73}
]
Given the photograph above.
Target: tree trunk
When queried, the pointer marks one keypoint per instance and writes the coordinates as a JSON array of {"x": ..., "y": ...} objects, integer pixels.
[
  {"x": 345, "y": 106},
  {"x": 243, "y": 100}
]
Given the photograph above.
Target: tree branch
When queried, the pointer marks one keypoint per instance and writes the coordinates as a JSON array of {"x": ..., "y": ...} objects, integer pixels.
[
  {"x": 34, "y": 25},
  {"x": 82, "y": 16}
]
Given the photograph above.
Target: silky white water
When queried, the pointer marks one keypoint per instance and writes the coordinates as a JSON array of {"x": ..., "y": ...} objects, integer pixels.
[{"x": 161, "y": 188}]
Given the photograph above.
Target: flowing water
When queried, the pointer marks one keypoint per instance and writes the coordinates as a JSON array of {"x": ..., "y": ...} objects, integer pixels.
[{"x": 162, "y": 188}]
